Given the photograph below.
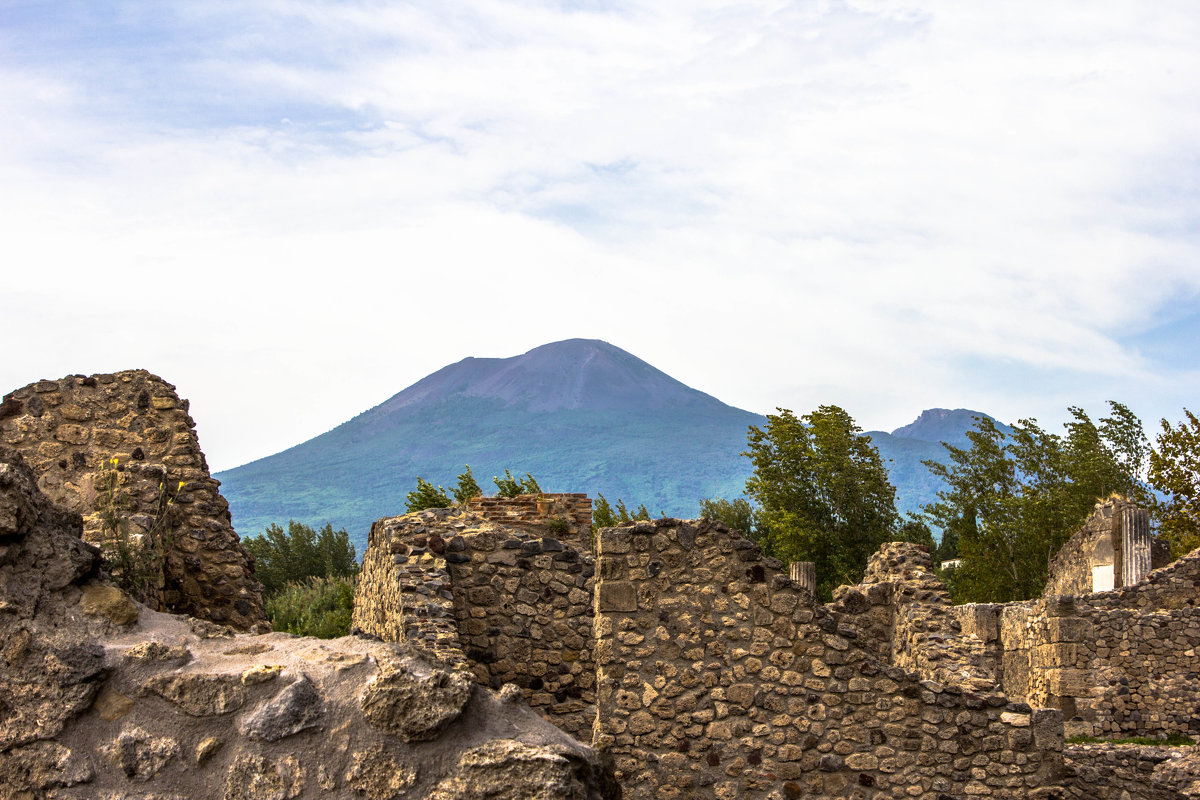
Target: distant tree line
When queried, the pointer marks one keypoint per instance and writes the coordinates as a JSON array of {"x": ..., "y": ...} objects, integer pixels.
[
  {"x": 307, "y": 577},
  {"x": 426, "y": 495},
  {"x": 819, "y": 492}
]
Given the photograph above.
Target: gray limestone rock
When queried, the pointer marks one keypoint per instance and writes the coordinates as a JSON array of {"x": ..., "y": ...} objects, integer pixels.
[
  {"x": 199, "y": 695},
  {"x": 294, "y": 709}
]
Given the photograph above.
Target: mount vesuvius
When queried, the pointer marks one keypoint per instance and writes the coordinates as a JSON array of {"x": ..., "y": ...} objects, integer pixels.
[{"x": 581, "y": 415}]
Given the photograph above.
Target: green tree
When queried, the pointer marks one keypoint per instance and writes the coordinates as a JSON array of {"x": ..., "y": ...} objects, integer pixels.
[
  {"x": 509, "y": 486},
  {"x": 602, "y": 515},
  {"x": 1175, "y": 471},
  {"x": 738, "y": 514},
  {"x": 320, "y": 607},
  {"x": 426, "y": 495},
  {"x": 1012, "y": 501},
  {"x": 822, "y": 491},
  {"x": 299, "y": 553},
  {"x": 916, "y": 530},
  {"x": 467, "y": 487}
]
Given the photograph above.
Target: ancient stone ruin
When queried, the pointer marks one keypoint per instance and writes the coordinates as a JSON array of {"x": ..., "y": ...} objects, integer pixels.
[
  {"x": 124, "y": 445},
  {"x": 1114, "y": 548},
  {"x": 706, "y": 671},
  {"x": 103, "y": 699},
  {"x": 491, "y": 634}
]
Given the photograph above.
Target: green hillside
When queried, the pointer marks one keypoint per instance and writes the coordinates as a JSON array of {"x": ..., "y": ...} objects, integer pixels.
[{"x": 580, "y": 415}]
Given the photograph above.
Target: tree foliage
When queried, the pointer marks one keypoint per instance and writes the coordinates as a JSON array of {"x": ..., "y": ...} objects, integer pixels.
[
  {"x": 1012, "y": 501},
  {"x": 1174, "y": 467},
  {"x": 300, "y": 553},
  {"x": 320, "y": 607},
  {"x": 467, "y": 488},
  {"x": 738, "y": 514},
  {"x": 511, "y": 487},
  {"x": 605, "y": 515},
  {"x": 602, "y": 514},
  {"x": 822, "y": 491},
  {"x": 426, "y": 495}
]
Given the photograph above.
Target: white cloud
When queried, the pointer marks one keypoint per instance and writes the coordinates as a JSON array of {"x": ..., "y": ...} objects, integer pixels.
[{"x": 779, "y": 203}]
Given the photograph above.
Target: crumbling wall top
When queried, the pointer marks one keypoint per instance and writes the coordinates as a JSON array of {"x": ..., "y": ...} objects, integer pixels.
[{"x": 124, "y": 443}]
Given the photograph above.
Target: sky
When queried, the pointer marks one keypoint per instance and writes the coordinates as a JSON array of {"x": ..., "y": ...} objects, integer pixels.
[{"x": 293, "y": 209}]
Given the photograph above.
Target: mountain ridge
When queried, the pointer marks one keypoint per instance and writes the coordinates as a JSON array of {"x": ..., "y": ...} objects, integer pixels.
[{"x": 580, "y": 415}]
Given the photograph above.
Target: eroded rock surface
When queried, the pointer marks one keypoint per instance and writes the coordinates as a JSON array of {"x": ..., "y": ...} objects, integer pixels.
[{"x": 112, "y": 705}]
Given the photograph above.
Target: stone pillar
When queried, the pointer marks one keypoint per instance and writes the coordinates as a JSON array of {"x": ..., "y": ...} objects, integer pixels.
[
  {"x": 1136, "y": 541},
  {"x": 805, "y": 574}
]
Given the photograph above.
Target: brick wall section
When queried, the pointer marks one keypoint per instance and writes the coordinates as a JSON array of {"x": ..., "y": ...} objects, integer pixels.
[
  {"x": 516, "y": 604},
  {"x": 534, "y": 511},
  {"x": 1119, "y": 663},
  {"x": 68, "y": 430},
  {"x": 720, "y": 678}
]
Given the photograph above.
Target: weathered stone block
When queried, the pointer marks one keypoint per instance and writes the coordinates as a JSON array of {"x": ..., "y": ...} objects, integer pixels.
[{"x": 616, "y": 596}]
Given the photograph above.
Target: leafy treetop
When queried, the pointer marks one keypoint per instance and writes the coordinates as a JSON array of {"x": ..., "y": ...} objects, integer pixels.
[
  {"x": 300, "y": 553},
  {"x": 822, "y": 491}
]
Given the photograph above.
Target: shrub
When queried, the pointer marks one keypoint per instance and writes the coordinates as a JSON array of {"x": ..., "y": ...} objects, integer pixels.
[
  {"x": 467, "y": 487},
  {"x": 511, "y": 487},
  {"x": 319, "y": 607},
  {"x": 299, "y": 553},
  {"x": 426, "y": 495}
]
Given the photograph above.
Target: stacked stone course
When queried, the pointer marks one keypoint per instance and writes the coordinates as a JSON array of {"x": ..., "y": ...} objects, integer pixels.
[
  {"x": 1119, "y": 663},
  {"x": 516, "y": 605},
  {"x": 907, "y": 610},
  {"x": 71, "y": 430},
  {"x": 718, "y": 677},
  {"x": 536, "y": 511}
]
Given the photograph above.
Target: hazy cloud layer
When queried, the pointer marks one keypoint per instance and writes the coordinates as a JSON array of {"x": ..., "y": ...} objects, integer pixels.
[{"x": 884, "y": 205}]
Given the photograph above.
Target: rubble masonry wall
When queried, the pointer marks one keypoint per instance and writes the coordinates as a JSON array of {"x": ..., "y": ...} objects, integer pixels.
[
  {"x": 720, "y": 678},
  {"x": 70, "y": 431},
  {"x": 515, "y": 603}
]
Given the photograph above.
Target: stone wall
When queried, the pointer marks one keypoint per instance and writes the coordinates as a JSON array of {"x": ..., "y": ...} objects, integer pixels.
[
  {"x": 903, "y": 608},
  {"x": 718, "y": 677},
  {"x": 570, "y": 513},
  {"x": 126, "y": 441},
  {"x": 1114, "y": 548},
  {"x": 516, "y": 603},
  {"x": 1129, "y": 771},
  {"x": 403, "y": 590},
  {"x": 1119, "y": 663},
  {"x": 106, "y": 700}
]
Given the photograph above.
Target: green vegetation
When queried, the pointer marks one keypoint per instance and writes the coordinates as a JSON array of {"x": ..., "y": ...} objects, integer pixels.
[
  {"x": 313, "y": 606},
  {"x": 134, "y": 561},
  {"x": 1013, "y": 500},
  {"x": 307, "y": 578},
  {"x": 1172, "y": 740},
  {"x": 822, "y": 491},
  {"x": 604, "y": 515},
  {"x": 511, "y": 487},
  {"x": 1175, "y": 471},
  {"x": 467, "y": 487},
  {"x": 738, "y": 514},
  {"x": 426, "y": 496}
]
